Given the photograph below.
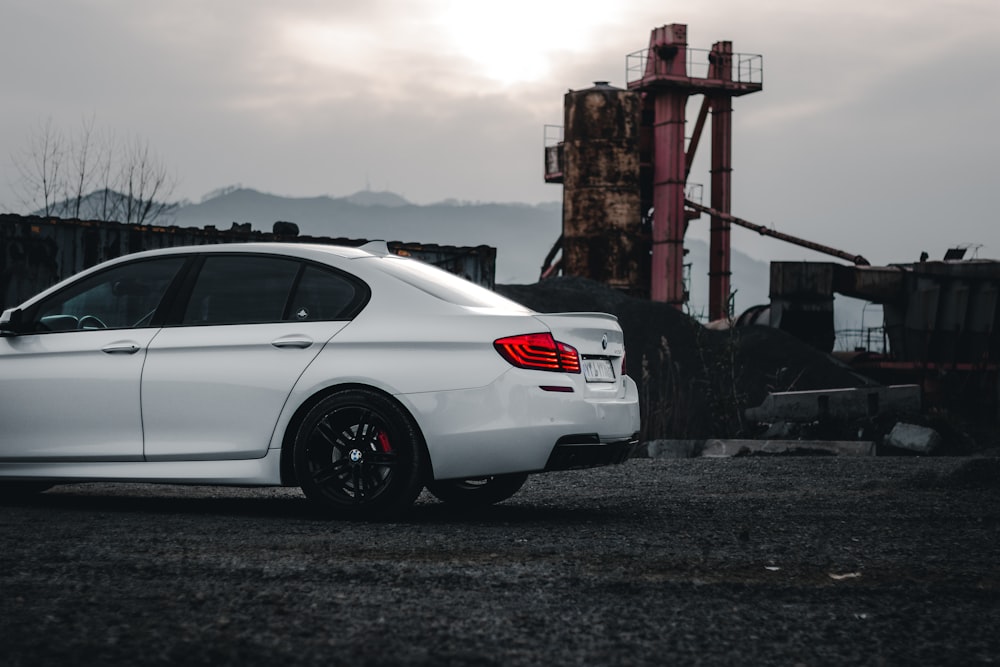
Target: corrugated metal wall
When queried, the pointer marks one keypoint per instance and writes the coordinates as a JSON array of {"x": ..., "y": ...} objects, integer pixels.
[{"x": 37, "y": 252}]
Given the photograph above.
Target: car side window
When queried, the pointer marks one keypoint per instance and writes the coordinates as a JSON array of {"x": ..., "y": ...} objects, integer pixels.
[
  {"x": 323, "y": 295},
  {"x": 241, "y": 289},
  {"x": 123, "y": 297}
]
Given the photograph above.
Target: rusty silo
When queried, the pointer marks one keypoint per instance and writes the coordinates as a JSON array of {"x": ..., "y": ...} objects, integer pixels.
[{"x": 603, "y": 238}]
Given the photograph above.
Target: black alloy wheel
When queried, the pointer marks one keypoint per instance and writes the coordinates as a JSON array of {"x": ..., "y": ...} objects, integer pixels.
[{"x": 360, "y": 456}]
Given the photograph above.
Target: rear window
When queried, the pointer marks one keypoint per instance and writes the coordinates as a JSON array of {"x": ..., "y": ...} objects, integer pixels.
[
  {"x": 445, "y": 286},
  {"x": 247, "y": 289},
  {"x": 241, "y": 289}
]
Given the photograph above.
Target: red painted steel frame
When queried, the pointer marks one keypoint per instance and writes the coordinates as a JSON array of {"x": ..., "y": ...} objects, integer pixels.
[
  {"x": 668, "y": 84},
  {"x": 721, "y": 67},
  {"x": 668, "y": 58},
  {"x": 669, "y": 223}
]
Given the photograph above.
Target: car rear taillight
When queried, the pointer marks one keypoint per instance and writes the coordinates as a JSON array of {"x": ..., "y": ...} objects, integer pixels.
[{"x": 539, "y": 352}]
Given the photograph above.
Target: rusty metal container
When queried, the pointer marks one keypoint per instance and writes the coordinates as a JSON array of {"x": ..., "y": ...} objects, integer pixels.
[
  {"x": 802, "y": 301},
  {"x": 949, "y": 315},
  {"x": 603, "y": 237}
]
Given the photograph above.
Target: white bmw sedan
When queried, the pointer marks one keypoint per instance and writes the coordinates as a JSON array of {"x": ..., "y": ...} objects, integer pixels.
[{"x": 356, "y": 374}]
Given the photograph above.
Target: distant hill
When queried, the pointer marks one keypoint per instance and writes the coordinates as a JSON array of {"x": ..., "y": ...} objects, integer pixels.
[
  {"x": 373, "y": 198},
  {"x": 521, "y": 233},
  {"x": 107, "y": 204}
]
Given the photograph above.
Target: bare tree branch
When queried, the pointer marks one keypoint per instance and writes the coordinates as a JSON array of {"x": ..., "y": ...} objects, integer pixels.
[
  {"x": 96, "y": 177},
  {"x": 39, "y": 169},
  {"x": 82, "y": 157}
]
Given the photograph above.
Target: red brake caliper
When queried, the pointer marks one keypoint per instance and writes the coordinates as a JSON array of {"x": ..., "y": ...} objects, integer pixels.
[{"x": 383, "y": 442}]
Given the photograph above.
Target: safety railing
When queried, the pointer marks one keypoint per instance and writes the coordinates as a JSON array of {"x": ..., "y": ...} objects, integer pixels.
[
  {"x": 868, "y": 339},
  {"x": 747, "y": 67},
  {"x": 552, "y": 135}
]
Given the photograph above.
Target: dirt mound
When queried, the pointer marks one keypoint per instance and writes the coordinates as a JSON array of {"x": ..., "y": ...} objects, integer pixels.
[{"x": 693, "y": 382}]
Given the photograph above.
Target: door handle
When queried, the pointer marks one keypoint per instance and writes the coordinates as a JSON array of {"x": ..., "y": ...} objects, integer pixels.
[
  {"x": 120, "y": 347},
  {"x": 300, "y": 342}
]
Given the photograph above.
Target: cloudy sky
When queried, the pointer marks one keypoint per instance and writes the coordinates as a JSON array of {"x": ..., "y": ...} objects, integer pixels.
[{"x": 876, "y": 132}]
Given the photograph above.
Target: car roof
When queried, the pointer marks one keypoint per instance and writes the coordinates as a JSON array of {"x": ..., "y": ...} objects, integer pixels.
[
  {"x": 315, "y": 251},
  {"x": 304, "y": 250}
]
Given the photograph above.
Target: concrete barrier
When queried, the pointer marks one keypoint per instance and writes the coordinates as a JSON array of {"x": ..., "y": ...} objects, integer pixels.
[
  {"x": 721, "y": 448},
  {"x": 807, "y": 406}
]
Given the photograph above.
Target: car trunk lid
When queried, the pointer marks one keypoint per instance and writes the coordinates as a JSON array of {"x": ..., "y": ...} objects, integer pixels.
[{"x": 597, "y": 337}]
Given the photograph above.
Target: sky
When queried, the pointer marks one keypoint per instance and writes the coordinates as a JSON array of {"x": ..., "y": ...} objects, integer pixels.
[{"x": 876, "y": 131}]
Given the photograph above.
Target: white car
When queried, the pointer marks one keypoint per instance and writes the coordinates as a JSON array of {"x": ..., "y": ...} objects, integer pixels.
[{"x": 356, "y": 374}]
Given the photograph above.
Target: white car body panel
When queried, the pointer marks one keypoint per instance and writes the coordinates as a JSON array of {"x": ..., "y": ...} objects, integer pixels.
[
  {"x": 216, "y": 391},
  {"x": 264, "y": 471},
  {"x": 218, "y": 403},
  {"x": 63, "y": 397},
  {"x": 468, "y": 437}
]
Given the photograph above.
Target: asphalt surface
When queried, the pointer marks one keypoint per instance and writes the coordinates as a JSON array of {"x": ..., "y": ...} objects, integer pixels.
[{"x": 762, "y": 561}]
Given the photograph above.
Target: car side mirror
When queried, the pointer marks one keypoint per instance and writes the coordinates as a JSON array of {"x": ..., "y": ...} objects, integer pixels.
[{"x": 11, "y": 322}]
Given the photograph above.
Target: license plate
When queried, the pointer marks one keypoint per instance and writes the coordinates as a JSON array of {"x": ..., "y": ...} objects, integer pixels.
[{"x": 598, "y": 370}]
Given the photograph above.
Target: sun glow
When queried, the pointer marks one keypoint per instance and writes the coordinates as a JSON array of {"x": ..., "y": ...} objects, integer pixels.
[
  {"x": 507, "y": 44},
  {"x": 514, "y": 42}
]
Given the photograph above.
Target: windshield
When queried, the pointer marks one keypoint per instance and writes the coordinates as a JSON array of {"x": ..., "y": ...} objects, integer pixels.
[{"x": 445, "y": 286}]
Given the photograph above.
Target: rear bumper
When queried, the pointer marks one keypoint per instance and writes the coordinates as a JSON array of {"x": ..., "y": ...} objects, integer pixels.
[
  {"x": 514, "y": 425},
  {"x": 587, "y": 451}
]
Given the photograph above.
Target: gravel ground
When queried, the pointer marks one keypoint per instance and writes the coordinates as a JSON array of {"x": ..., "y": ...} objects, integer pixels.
[{"x": 765, "y": 561}]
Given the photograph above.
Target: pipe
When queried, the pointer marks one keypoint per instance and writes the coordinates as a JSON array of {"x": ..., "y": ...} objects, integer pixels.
[{"x": 781, "y": 236}]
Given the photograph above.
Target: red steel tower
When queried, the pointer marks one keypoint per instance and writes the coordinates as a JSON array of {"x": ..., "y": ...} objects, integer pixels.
[{"x": 665, "y": 76}]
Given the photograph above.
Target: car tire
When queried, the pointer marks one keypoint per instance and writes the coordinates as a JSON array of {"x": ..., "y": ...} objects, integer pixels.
[
  {"x": 478, "y": 492},
  {"x": 359, "y": 455}
]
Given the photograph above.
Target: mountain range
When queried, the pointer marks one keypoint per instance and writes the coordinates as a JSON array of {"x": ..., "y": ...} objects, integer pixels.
[{"x": 521, "y": 233}]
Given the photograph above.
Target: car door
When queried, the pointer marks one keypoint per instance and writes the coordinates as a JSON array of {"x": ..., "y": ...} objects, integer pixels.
[
  {"x": 69, "y": 380},
  {"x": 215, "y": 382}
]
